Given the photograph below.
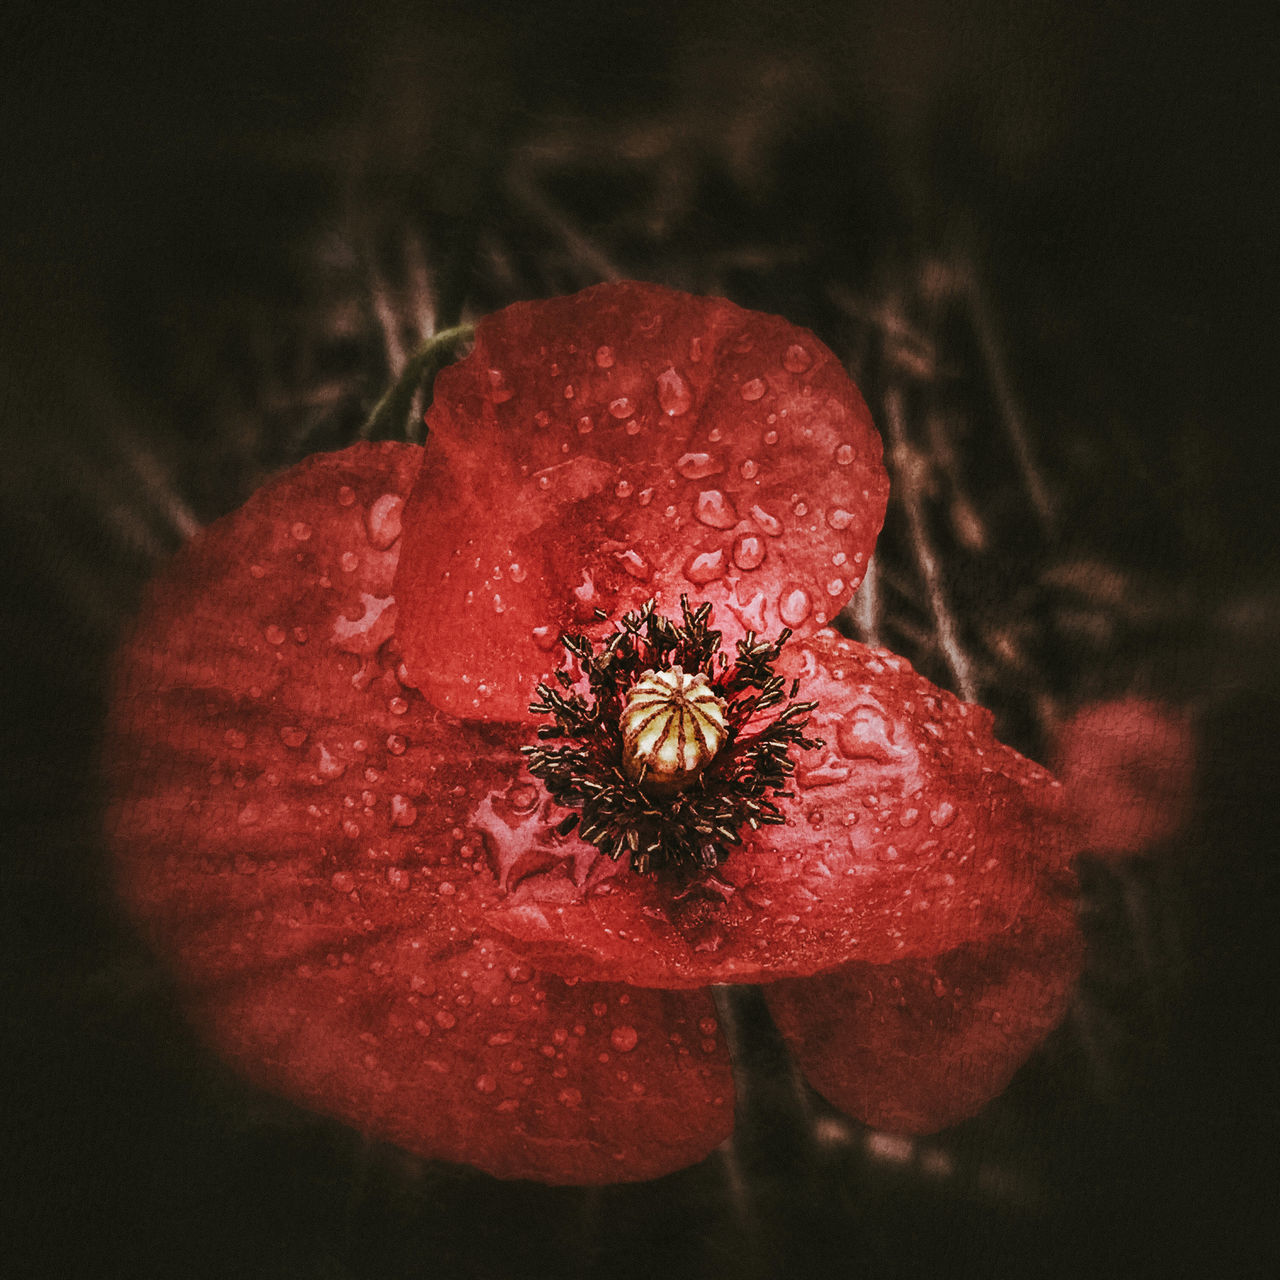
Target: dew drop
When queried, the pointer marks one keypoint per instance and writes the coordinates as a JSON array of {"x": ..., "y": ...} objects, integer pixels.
[
  {"x": 396, "y": 744},
  {"x": 624, "y": 488},
  {"x": 546, "y": 638},
  {"x": 301, "y": 531},
  {"x": 708, "y": 1026},
  {"x": 839, "y": 519},
  {"x": 835, "y": 587},
  {"x": 750, "y": 469},
  {"x": 383, "y": 520},
  {"x": 706, "y": 566},
  {"x": 636, "y": 565},
  {"x": 796, "y": 359},
  {"x": 768, "y": 524},
  {"x": 445, "y": 1020},
  {"x": 274, "y": 634},
  {"x": 499, "y": 392},
  {"x": 346, "y": 496},
  {"x": 584, "y": 425},
  {"x": 624, "y": 1039},
  {"x": 542, "y": 419},
  {"x": 569, "y": 1098},
  {"x": 621, "y": 407},
  {"x": 697, "y": 466},
  {"x": 715, "y": 510},
  {"x": 292, "y": 736},
  {"x": 944, "y": 815},
  {"x": 844, "y": 455},
  {"x": 604, "y": 357},
  {"x": 404, "y": 813},
  {"x": 771, "y": 437},
  {"x": 485, "y": 1084},
  {"x": 518, "y": 572},
  {"x": 343, "y": 881},
  {"x": 748, "y": 551},
  {"x": 794, "y": 606},
  {"x": 673, "y": 394},
  {"x": 350, "y": 562},
  {"x": 754, "y": 389}
]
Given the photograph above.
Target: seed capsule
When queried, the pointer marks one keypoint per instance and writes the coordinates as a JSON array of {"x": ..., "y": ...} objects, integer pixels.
[{"x": 672, "y": 727}]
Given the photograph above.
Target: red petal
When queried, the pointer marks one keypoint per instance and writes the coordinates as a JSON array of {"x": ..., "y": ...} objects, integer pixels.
[
  {"x": 917, "y": 1045},
  {"x": 624, "y": 443},
  {"x": 912, "y": 833},
  {"x": 1129, "y": 771},
  {"x": 292, "y": 826},
  {"x": 474, "y": 1057}
]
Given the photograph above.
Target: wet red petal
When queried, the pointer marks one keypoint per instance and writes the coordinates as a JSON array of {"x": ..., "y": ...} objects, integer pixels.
[
  {"x": 473, "y": 1056},
  {"x": 917, "y": 1045},
  {"x": 292, "y": 826},
  {"x": 624, "y": 443},
  {"x": 1129, "y": 771},
  {"x": 912, "y": 832}
]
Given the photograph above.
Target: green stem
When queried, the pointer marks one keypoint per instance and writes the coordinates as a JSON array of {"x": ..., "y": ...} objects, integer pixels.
[{"x": 390, "y": 416}]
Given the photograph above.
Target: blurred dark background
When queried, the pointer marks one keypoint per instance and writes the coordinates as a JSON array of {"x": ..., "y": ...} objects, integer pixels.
[{"x": 1043, "y": 237}]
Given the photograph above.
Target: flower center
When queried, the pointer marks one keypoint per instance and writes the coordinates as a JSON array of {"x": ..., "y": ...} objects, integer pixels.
[
  {"x": 672, "y": 726},
  {"x": 665, "y": 747}
]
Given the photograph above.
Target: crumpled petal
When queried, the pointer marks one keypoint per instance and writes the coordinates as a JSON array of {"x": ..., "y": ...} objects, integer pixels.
[
  {"x": 912, "y": 832},
  {"x": 625, "y": 443},
  {"x": 917, "y": 1045},
  {"x": 289, "y": 822}
]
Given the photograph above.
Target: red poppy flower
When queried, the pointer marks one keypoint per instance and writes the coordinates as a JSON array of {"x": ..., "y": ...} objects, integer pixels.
[{"x": 321, "y": 814}]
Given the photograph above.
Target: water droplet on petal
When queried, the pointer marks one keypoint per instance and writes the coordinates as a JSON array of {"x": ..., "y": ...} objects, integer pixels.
[
  {"x": 768, "y": 524},
  {"x": 383, "y": 520},
  {"x": 943, "y": 815},
  {"x": 794, "y": 606},
  {"x": 839, "y": 519},
  {"x": 274, "y": 634},
  {"x": 673, "y": 394},
  {"x": 748, "y": 551},
  {"x": 697, "y": 466},
  {"x": 546, "y": 638},
  {"x": 715, "y": 510},
  {"x": 636, "y": 565},
  {"x": 346, "y": 496},
  {"x": 584, "y": 425},
  {"x": 485, "y": 1084},
  {"x": 518, "y": 572},
  {"x": 499, "y": 392},
  {"x": 754, "y": 389},
  {"x": 796, "y": 359},
  {"x": 604, "y": 357},
  {"x": 844, "y": 455},
  {"x": 301, "y": 531},
  {"x": 624, "y": 1039},
  {"x": 621, "y": 407},
  {"x": 706, "y": 566},
  {"x": 624, "y": 489},
  {"x": 404, "y": 813},
  {"x": 750, "y": 469},
  {"x": 569, "y": 1098},
  {"x": 292, "y": 736},
  {"x": 835, "y": 587}
]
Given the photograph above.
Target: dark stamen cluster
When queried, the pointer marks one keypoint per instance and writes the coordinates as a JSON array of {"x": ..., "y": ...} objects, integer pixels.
[{"x": 697, "y": 827}]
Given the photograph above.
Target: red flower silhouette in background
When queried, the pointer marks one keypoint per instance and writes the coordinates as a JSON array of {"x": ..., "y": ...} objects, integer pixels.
[
  {"x": 1128, "y": 768},
  {"x": 321, "y": 816}
]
